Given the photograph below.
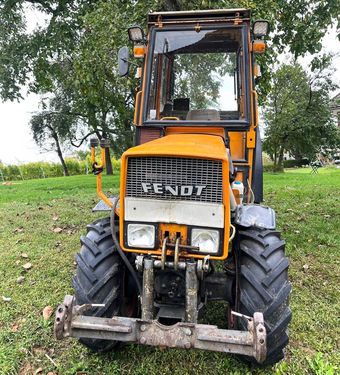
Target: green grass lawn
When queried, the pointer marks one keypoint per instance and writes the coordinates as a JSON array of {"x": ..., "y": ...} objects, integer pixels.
[{"x": 308, "y": 213}]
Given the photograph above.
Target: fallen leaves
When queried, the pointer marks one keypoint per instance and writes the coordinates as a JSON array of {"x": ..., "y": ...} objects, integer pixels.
[
  {"x": 15, "y": 327},
  {"x": 305, "y": 267},
  {"x": 69, "y": 230},
  {"x": 20, "y": 279},
  {"x": 47, "y": 312},
  {"x": 24, "y": 255},
  {"x": 26, "y": 368},
  {"x": 27, "y": 266},
  {"x": 57, "y": 244}
]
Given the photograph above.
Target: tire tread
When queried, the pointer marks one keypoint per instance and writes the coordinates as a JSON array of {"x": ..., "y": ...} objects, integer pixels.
[
  {"x": 99, "y": 277},
  {"x": 264, "y": 286}
]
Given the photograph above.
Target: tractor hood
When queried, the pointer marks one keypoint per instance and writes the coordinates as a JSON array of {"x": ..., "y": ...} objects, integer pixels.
[{"x": 202, "y": 146}]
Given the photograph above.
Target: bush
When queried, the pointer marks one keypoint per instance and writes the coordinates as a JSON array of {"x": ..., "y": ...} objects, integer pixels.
[
  {"x": 30, "y": 171},
  {"x": 116, "y": 164},
  {"x": 75, "y": 166},
  {"x": 272, "y": 168},
  {"x": 295, "y": 163}
]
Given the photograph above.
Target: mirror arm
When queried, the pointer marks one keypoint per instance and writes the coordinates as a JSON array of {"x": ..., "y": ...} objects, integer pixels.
[{"x": 130, "y": 62}]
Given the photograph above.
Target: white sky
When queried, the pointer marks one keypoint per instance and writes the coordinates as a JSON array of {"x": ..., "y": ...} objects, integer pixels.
[{"x": 16, "y": 143}]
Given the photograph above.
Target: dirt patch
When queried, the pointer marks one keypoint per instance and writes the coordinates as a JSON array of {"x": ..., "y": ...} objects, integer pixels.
[{"x": 26, "y": 369}]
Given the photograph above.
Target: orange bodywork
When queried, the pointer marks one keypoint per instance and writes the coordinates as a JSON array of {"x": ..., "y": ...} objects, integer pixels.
[{"x": 204, "y": 146}]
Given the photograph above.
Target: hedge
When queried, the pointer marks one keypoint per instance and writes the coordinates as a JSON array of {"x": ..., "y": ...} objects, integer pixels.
[
  {"x": 295, "y": 163},
  {"x": 28, "y": 171}
]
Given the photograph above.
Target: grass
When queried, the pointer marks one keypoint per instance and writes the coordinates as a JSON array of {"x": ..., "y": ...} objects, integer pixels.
[{"x": 308, "y": 213}]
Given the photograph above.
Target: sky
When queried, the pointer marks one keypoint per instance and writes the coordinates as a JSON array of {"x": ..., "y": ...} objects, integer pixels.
[{"x": 16, "y": 142}]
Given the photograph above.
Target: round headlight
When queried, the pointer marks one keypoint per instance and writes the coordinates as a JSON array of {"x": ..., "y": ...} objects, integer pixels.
[
  {"x": 141, "y": 235},
  {"x": 207, "y": 240}
]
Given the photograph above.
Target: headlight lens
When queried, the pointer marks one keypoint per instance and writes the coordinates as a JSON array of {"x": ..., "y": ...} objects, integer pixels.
[
  {"x": 207, "y": 240},
  {"x": 141, "y": 235}
]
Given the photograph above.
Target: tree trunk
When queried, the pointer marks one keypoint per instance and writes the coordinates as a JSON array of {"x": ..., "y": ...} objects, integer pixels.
[
  {"x": 108, "y": 163},
  {"x": 280, "y": 159},
  {"x": 109, "y": 169},
  {"x": 60, "y": 155}
]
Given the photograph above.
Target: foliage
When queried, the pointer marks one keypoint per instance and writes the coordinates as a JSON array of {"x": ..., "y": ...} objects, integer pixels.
[
  {"x": 202, "y": 82},
  {"x": 28, "y": 171},
  {"x": 272, "y": 168},
  {"x": 320, "y": 366},
  {"x": 295, "y": 163},
  {"x": 298, "y": 115},
  {"x": 52, "y": 126}
]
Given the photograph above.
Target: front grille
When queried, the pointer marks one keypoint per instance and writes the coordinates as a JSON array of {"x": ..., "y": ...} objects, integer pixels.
[{"x": 174, "y": 172}]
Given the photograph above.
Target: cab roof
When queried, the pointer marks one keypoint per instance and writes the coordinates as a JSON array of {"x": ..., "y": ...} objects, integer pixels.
[{"x": 198, "y": 15}]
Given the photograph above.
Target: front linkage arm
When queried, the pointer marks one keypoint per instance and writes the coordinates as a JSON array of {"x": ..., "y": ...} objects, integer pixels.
[
  {"x": 252, "y": 343},
  {"x": 69, "y": 321}
]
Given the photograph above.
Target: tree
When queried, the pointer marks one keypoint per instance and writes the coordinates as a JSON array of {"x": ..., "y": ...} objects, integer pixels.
[
  {"x": 298, "y": 117},
  {"x": 51, "y": 128}
]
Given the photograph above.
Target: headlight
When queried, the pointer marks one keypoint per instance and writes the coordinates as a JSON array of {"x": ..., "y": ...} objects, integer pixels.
[
  {"x": 141, "y": 235},
  {"x": 207, "y": 240}
]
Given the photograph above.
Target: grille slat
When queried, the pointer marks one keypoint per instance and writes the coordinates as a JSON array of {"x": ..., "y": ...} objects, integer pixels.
[{"x": 175, "y": 172}]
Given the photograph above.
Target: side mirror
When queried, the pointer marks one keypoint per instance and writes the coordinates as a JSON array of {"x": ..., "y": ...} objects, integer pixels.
[{"x": 123, "y": 61}]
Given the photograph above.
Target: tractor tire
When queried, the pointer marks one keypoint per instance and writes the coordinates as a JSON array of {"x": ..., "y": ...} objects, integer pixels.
[
  {"x": 264, "y": 287},
  {"x": 99, "y": 278}
]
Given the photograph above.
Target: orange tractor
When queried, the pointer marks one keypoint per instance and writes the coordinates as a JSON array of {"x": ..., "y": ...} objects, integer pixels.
[{"x": 188, "y": 227}]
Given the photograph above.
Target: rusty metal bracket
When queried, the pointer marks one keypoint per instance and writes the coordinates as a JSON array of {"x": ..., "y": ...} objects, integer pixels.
[
  {"x": 62, "y": 323},
  {"x": 150, "y": 332}
]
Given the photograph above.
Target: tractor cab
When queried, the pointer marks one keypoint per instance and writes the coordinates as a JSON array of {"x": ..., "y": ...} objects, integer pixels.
[{"x": 198, "y": 75}]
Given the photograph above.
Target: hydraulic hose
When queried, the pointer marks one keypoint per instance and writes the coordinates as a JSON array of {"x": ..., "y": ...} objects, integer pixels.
[{"x": 120, "y": 250}]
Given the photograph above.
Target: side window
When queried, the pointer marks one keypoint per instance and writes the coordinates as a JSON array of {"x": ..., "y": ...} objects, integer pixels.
[
  {"x": 153, "y": 88},
  {"x": 160, "y": 86}
]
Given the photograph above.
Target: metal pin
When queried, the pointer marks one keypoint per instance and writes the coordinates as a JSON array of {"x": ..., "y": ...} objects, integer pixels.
[{"x": 241, "y": 315}]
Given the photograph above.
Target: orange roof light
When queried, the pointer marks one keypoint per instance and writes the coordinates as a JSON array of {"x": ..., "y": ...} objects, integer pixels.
[
  {"x": 259, "y": 46},
  {"x": 139, "y": 51}
]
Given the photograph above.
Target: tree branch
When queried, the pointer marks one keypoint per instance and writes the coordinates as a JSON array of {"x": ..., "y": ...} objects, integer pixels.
[{"x": 82, "y": 140}]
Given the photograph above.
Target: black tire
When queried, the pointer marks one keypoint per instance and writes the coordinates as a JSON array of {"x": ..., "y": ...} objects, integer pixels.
[
  {"x": 99, "y": 277},
  {"x": 264, "y": 286},
  {"x": 258, "y": 170}
]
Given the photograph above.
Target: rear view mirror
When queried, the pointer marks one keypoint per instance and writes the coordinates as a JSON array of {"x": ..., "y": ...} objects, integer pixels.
[{"x": 123, "y": 61}]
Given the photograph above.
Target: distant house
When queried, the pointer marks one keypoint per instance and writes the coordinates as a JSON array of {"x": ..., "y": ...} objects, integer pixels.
[{"x": 335, "y": 107}]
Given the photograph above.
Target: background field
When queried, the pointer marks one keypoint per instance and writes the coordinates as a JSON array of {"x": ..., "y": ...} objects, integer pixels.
[{"x": 31, "y": 214}]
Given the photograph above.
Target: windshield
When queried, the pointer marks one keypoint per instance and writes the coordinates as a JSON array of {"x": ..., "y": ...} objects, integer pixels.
[{"x": 195, "y": 75}]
